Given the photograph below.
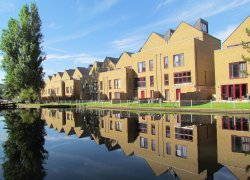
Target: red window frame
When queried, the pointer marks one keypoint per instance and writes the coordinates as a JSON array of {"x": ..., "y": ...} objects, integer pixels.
[{"x": 182, "y": 77}]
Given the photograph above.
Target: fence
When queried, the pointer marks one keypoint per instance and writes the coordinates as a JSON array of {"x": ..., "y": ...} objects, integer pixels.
[{"x": 154, "y": 103}]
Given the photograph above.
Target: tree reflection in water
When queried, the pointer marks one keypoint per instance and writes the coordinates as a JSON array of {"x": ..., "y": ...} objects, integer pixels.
[{"x": 24, "y": 150}]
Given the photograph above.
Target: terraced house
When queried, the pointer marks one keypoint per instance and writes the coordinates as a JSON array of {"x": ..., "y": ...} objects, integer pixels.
[
  {"x": 234, "y": 81},
  {"x": 180, "y": 61}
]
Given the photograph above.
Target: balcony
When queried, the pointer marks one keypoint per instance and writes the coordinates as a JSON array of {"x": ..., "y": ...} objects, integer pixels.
[{"x": 141, "y": 83}]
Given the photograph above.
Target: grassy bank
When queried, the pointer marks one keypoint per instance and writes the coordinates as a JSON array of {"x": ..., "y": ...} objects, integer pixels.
[{"x": 168, "y": 105}]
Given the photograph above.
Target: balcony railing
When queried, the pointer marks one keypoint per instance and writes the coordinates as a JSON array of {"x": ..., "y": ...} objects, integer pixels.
[{"x": 141, "y": 83}]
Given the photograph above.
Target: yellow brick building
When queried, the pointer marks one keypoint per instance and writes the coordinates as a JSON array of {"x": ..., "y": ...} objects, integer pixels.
[
  {"x": 180, "y": 61},
  {"x": 231, "y": 71}
]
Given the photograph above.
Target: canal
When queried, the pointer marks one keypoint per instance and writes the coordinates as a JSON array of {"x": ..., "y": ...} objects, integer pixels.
[{"x": 105, "y": 144}]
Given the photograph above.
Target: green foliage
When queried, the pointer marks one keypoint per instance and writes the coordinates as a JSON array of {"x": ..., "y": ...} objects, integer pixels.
[
  {"x": 247, "y": 47},
  {"x": 28, "y": 94},
  {"x": 1, "y": 91},
  {"x": 20, "y": 44},
  {"x": 24, "y": 149}
]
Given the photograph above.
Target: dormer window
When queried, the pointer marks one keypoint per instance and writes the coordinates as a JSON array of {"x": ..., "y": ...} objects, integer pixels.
[{"x": 204, "y": 27}]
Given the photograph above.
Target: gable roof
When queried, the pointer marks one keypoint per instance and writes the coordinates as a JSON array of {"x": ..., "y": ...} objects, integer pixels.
[
  {"x": 60, "y": 74},
  {"x": 152, "y": 34},
  {"x": 83, "y": 70},
  {"x": 236, "y": 29},
  {"x": 112, "y": 59},
  {"x": 99, "y": 63},
  {"x": 70, "y": 72}
]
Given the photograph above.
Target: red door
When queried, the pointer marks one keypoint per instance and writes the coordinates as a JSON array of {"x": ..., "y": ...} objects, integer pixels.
[
  {"x": 142, "y": 94},
  {"x": 178, "y": 92}
]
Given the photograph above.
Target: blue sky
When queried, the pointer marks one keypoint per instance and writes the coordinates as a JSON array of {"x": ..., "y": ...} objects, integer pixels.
[{"x": 78, "y": 32}]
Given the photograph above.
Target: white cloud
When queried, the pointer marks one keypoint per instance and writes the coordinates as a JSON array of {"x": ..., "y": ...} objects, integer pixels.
[
  {"x": 222, "y": 35},
  {"x": 192, "y": 12},
  {"x": 96, "y": 8},
  {"x": 130, "y": 43},
  {"x": 72, "y": 36},
  {"x": 164, "y": 3},
  {"x": 82, "y": 58},
  {"x": 55, "y": 49},
  {"x": 53, "y": 25},
  {"x": 58, "y": 138},
  {"x": 48, "y": 72}
]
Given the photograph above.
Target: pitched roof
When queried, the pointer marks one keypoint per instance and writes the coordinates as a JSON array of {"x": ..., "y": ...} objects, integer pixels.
[
  {"x": 60, "y": 74},
  {"x": 99, "y": 63},
  {"x": 70, "y": 72},
  {"x": 112, "y": 59},
  {"x": 83, "y": 70}
]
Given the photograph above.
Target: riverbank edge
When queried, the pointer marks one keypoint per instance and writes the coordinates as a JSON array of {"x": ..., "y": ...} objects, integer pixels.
[{"x": 143, "y": 109}]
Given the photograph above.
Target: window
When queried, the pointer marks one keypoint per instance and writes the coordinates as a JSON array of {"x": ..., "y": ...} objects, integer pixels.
[
  {"x": 235, "y": 123},
  {"x": 87, "y": 87},
  {"x": 152, "y": 129},
  {"x": 166, "y": 62},
  {"x": 94, "y": 86},
  {"x": 101, "y": 85},
  {"x": 166, "y": 94},
  {"x": 240, "y": 144},
  {"x": 151, "y": 81},
  {"x": 237, "y": 70},
  {"x": 178, "y": 60},
  {"x": 143, "y": 128},
  {"x": 182, "y": 77},
  {"x": 151, "y": 65},
  {"x": 117, "y": 83},
  {"x": 144, "y": 142},
  {"x": 110, "y": 84},
  {"x": 181, "y": 151},
  {"x": 204, "y": 27},
  {"x": 141, "y": 66},
  {"x": 111, "y": 125},
  {"x": 57, "y": 91},
  {"x": 118, "y": 126},
  {"x": 166, "y": 80},
  {"x": 141, "y": 82},
  {"x": 233, "y": 91},
  {"x": 168, "y": 148},
  {"x": 168, "y": 131},
  {"x": 153, "y": 145},
  {"x": 184, "y": 134},
  {"x": 67, "y": 89}
]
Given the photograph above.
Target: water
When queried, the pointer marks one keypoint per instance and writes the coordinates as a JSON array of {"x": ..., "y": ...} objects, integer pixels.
[{"x": 93, "y": 144}]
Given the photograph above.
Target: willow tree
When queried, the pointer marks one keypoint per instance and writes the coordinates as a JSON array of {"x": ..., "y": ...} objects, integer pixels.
[{"x": 22, "y": 53}]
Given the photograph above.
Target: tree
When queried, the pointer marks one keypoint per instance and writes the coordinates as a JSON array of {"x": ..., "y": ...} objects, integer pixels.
[
  {"x": 24, "y": 152},
  {"x": 247, "y": 47},
  {"x": 22, "y": 52}
]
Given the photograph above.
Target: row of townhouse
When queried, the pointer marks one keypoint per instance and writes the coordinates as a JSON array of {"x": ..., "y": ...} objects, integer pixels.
[
  {"x": 79, "y": 83},
  {"x": 191, "y": 146},
  {"x": 185, "y": 62}
]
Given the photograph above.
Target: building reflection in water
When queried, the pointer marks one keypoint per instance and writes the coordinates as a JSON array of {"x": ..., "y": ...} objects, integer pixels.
[{"x": 184, "y": 145}]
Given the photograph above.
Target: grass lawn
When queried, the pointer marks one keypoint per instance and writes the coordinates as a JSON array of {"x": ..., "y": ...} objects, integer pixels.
[{"x": 209, "y": 105}]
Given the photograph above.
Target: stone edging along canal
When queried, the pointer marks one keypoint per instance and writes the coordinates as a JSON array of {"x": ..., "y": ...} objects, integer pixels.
[{"x": 145, "y": 109}]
